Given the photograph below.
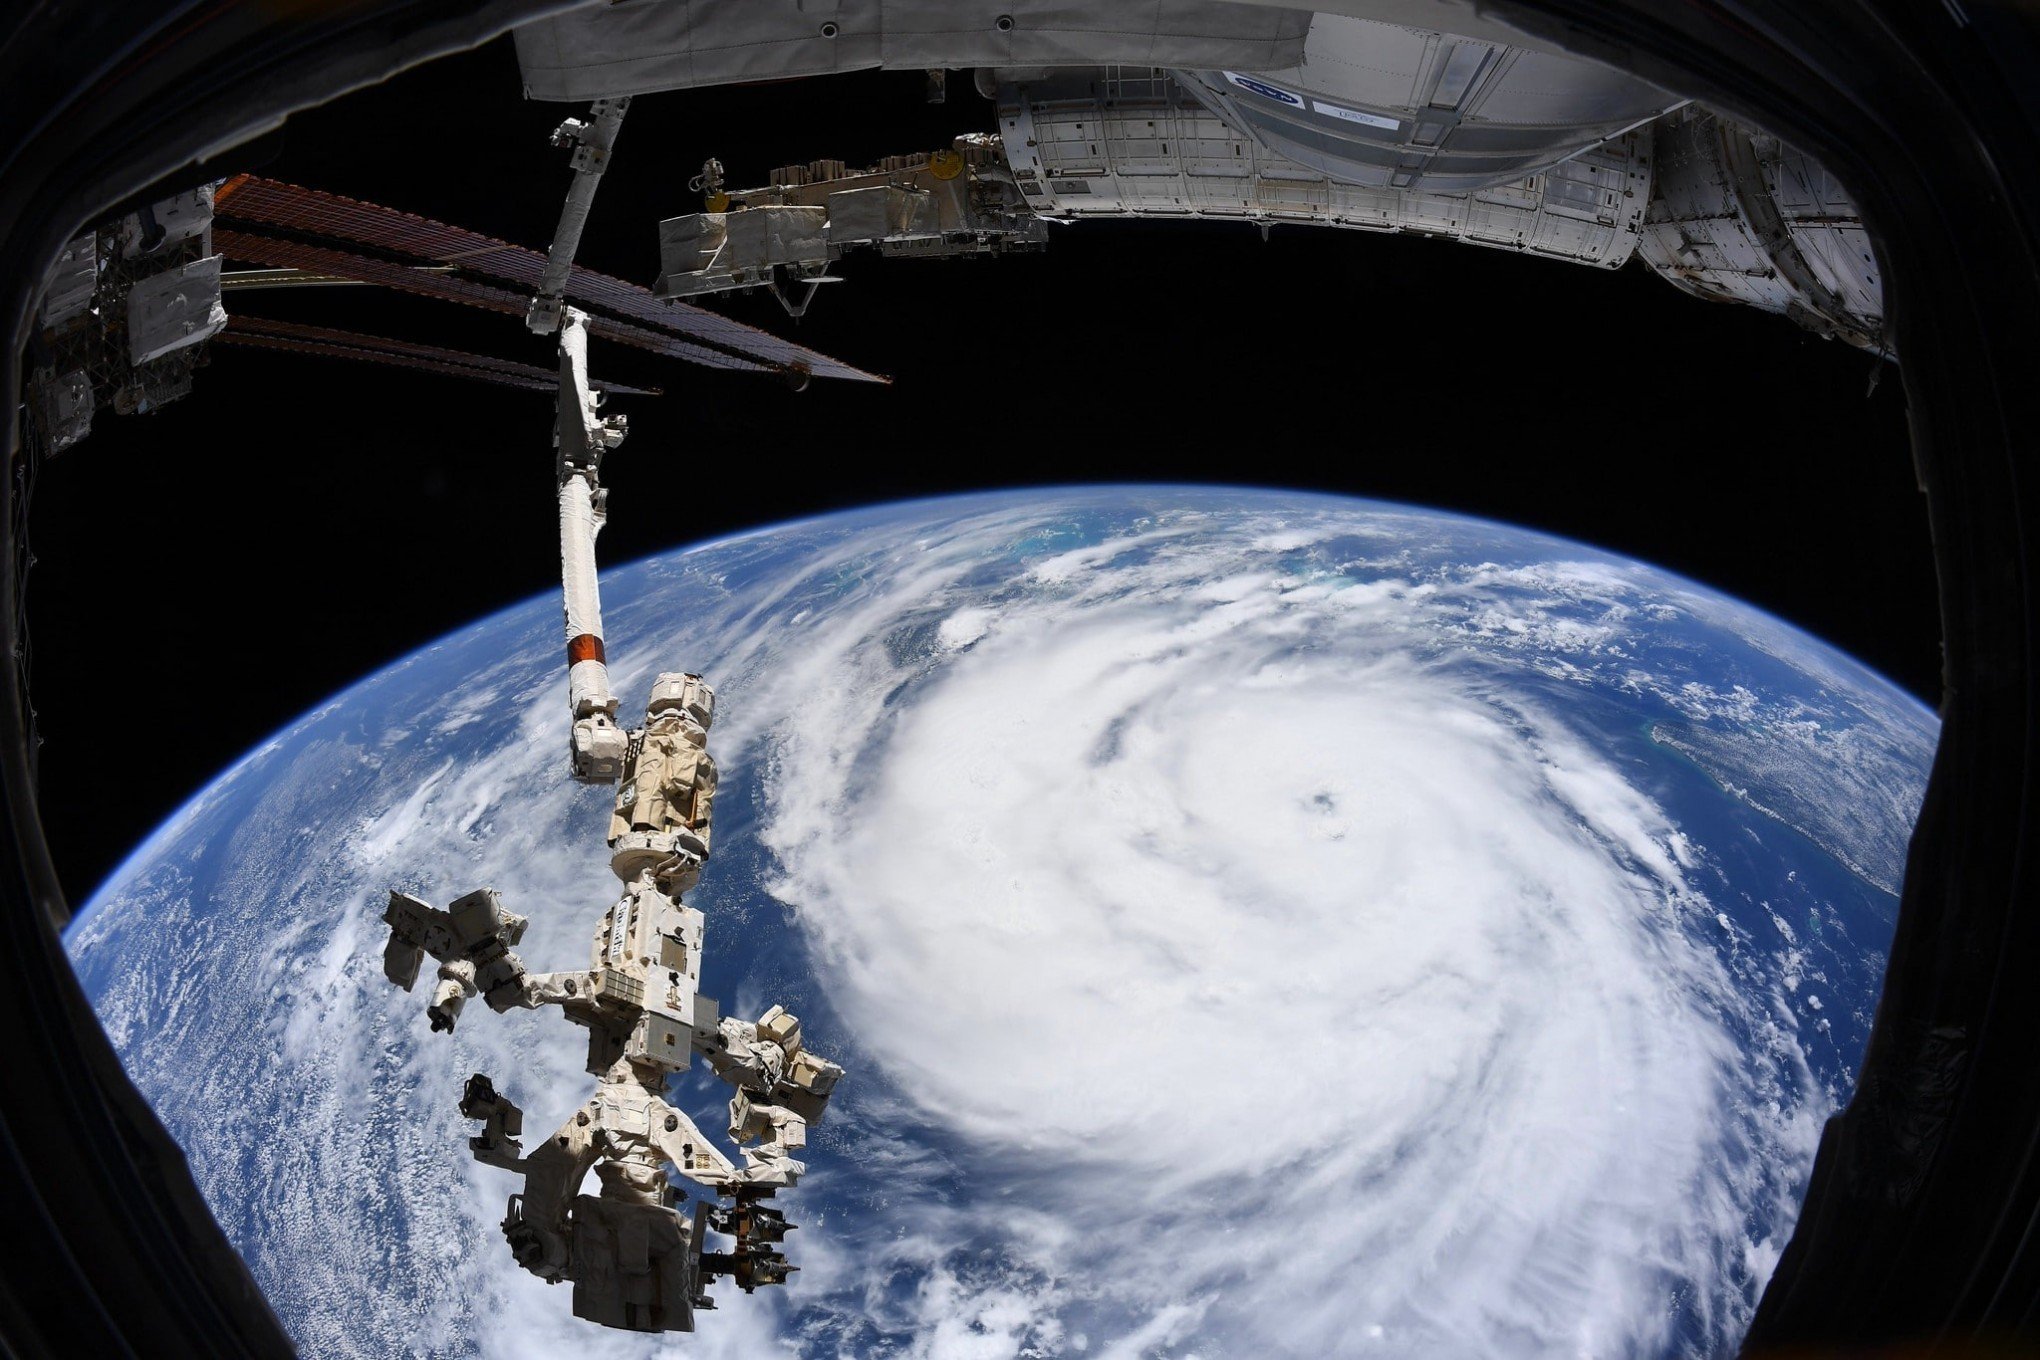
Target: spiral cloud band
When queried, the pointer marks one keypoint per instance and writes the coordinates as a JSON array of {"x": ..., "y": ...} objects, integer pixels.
[{"x": 1328, "y": 991}]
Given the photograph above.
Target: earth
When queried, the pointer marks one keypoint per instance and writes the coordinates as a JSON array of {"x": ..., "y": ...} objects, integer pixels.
[{"x": 1255, "y": 924}]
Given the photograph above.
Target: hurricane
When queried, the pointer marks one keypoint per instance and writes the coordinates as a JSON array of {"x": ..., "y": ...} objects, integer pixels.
[{"x": 1219, "y": 888}]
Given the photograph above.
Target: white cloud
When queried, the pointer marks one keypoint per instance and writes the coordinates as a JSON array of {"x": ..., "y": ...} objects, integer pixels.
[
  {"x": 1381, "y": 971},
  {"x": 1232, "y": 954}
]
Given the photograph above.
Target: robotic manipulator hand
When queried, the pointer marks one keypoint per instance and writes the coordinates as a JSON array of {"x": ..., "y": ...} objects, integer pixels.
[{"x": 634, "y": 1260}]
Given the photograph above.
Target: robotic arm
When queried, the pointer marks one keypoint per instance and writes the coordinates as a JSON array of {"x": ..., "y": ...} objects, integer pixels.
[
  {"x": 634, "y": 1261},
  {"x": 580, "y": 438},
  {"x": 592, "y": 139}
]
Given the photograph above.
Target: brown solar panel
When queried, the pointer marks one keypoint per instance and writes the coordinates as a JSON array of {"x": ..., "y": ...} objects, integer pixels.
[
  {"x": 251, "y": 206},
  {"x": 376, "y": 356},
  {"x": 263, "y": 333},
  {"x": 456, "y": 288}
]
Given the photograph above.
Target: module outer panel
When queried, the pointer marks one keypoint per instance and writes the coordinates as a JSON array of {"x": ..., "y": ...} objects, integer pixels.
[
  {"x": 1133, "y": 144},
  {"x": 1738, "y": 216},
  {"x": 644, "y": 47},
  {"x": 1401, "y": 106},
  {"x": 174, "y": 309}
]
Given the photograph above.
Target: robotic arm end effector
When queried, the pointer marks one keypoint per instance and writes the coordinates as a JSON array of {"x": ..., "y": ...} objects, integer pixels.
[
  {"x": 456, "y": 985},
  {"x": 410, "y": 923},
  {"x": 782, "y": 1087},
  {"x": 472, "y": 939},
  {"x": 498, "y": 1144},
  {"x": 599, "y": 749},
  {"x": 755, "y": 1260}
]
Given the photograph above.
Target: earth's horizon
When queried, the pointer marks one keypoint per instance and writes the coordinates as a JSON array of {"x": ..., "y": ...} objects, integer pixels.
[{"x": 1254, "y": 922}]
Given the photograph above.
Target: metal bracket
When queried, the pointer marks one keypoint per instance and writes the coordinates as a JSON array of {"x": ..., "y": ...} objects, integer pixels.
[{"x": 782, "y": 276}]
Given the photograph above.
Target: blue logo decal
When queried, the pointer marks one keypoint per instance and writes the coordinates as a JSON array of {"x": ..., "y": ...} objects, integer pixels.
[{"x": 1265, "y": 91}]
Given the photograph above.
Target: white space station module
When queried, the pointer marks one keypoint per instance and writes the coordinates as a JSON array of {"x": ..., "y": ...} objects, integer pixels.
[{"x": 1414, "y": 116}]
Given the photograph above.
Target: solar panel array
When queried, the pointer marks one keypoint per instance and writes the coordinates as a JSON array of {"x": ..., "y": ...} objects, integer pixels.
[
  {"x": 266, "y": 250},
  {"x": 251, "y": 211},
  {"x": 264, "y": 333}
]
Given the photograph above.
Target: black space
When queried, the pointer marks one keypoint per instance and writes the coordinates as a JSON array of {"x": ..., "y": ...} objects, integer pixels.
[{"x": 297, "y": 523}]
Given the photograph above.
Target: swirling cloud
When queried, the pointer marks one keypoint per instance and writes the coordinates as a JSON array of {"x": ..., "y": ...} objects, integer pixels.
[{"x": 1326, "y": 990}]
